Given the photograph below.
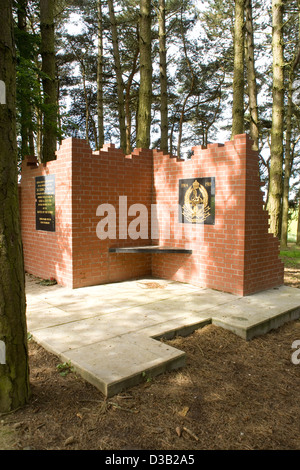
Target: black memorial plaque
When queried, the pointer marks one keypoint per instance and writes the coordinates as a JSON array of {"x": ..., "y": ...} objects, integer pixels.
[
  {"x": 197, "y": 201},
  {"x": 45, "y": 203}
]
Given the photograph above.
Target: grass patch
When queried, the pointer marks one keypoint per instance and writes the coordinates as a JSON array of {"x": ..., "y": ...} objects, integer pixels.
[{"x": 291, "y": 256}]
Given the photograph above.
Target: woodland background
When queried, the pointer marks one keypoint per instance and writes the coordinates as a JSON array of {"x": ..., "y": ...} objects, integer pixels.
[{"x": 166, "y": 74}]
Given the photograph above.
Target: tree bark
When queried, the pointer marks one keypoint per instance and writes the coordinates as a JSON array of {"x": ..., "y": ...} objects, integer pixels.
[
  {"x": 145, "y": 91},
  {"x": 180, "y": 125},
  {"x": 189, "y": 66},
  {"x": 288, "y": 160},
  {"x": 251, "y": 76},
  {"x": 298, "y": 227},
  {"x": 163, "y": 76},
  {"x": 275, "y": 191},
  {"x": 118, "y": 70},
  {"x": 39, "y": 132},
  {"x": 87, "y": 107},
  {"x": 14, "y": 374},
  {"x": 238, "y": 74},
  {"x": 100, "y": 104},
  {"x": 287, "y": 167},
  {"x": 59, "y": 119},
  {"x": 25, "y": 110},
  {"x": 49, "y": 80},
  {"x": 127, "y": 102}
]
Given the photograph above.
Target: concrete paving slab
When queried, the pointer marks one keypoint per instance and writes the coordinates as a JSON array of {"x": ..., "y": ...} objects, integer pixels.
[
  {"x": 257, "y": 314},
  {"x": 79, "y": 333},
  {"x": 108, "y": 331},
  {"x": 122, "y": 362},
  {"x": 44, "y": 316}
]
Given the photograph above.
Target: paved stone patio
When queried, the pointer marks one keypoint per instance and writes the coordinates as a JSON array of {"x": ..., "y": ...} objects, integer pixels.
[{"x": 110, "y": 333}]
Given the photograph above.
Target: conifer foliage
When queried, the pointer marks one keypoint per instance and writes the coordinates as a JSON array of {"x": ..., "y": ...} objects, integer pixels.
[{"x": 168, "y": 74}]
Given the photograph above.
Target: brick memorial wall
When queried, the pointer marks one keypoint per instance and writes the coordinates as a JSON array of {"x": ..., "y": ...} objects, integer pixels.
[
  {"x": 225, "y": 229},
  {"x": 235, "y": 254}
]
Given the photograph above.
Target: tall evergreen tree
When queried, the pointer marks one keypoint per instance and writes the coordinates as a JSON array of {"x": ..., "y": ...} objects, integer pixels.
[
  {"x": 145, "y": 91},
  {"x": 238, "y": 73},
  {"x": 251, "y": 74},
  {"x": 163, "y": 75},
  {"x": 14, "y": 374},
  {"x": 100, "y": 100},
  {"x": 275, "y": 185},
  {"x": 49, "y": 80},
  {"x": 118, "y": 71},
  {"x": 26, "y": 81},
  {"x": 288, "y": 160}
]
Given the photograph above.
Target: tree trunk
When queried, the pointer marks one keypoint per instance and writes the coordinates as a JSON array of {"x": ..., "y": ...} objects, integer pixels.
[
  {"x": 39, "y": 133},
  {"x": 118, "y": 70},
  {"x": 25, "y": 118},
  {"x": 100, "y": 105},
  {"x": 288, "y": 160},
  {"x": 298, "y": 226},
  {"x": 127, "y": 103},
  {"x": 171, "y": 139},
  {"x": 39, "y": 113},
  {"x": 145, "y": 91},
  {"x": 86, "y": 101},
  {"x": 189, "y": 66},
  {"x": 163, "y": 76},
  {"x": 59, "y": 119},
  {"x": 49, "y": 79},
  {"x": 287, "y": 167},
  {"x": 251, "y": 76},
  {"x": 31, "y": 142},
  {"x": 180, "y": 125},
  {"x": 94, "y": 128},
  {"x": 238, "y": 74},
  {"x": 14, "y": 374},
  {"x": 275, "y": 191}
]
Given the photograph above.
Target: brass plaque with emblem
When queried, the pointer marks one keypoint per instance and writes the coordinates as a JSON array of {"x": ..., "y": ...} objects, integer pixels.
[
  {"x": 197, "y": 201},
  {"x": 45, "y": 203}
]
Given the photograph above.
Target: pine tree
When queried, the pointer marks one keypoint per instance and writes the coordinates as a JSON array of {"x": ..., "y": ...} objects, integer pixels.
[
  {"x": 145, "y": 91},
  {"x": 251, "y": 75},
  {"x": 100, "y": 100},
  {"x": 163, "y": 75},
  {"x": 275, "y": 185},
  {"x": 14, "y": 374},
  {"x": 26, "y": 80},
  {"x": 49, "y": 80},
  {"x": 196, "y": 85},
  {"x": 238, "y": 77},
  {"x": 118, "y": 71},
  {"x": 288, "y": 160}
]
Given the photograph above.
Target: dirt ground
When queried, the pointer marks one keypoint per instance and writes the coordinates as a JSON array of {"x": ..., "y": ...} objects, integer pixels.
[{"x": 231, "y": 395}]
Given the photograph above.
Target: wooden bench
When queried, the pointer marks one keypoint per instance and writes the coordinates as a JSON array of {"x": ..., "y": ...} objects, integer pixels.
[{"x": 150, "y": 249}]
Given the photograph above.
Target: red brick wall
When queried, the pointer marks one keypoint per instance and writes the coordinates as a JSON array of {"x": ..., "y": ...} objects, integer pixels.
[
  {"x": 73, "y": 254},
  {"x": 48, "y": 254},
  {"x": 101, "y": 178},
  {"x": 235, "y": 255}
]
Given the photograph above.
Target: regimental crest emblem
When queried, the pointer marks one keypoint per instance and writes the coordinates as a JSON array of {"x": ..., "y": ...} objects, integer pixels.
[
  {"x": 197, "y": 201},
  {"x": 196, "y": 208}
]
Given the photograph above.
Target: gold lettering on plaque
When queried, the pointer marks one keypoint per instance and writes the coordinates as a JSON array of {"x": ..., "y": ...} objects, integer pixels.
[{"x": 195, "y": 208}]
